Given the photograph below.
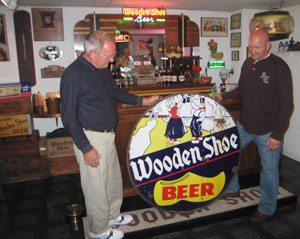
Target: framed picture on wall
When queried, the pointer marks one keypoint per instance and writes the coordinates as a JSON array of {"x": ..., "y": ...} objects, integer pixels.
[
  {"x": 4, "y": 52},
  {"x": 235, "y": 21},
  {"x": 214, "y": 27},
  {"x": 235, "y": 39},
  {"x": 235, "y": 55},
  {"x": 47, "y": 24}
]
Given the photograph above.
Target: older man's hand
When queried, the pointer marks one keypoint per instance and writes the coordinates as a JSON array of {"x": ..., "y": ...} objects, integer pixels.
[
  {"x": 92, "y": 158},
  {"x": 150, "y": 100}
]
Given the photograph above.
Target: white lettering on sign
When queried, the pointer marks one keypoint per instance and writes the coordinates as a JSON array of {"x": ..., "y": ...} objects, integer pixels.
[
  {"x": 135, "y": 12},
  {"x": 155, "y": 12},
  {"x": 140, "y": 18},
  {"x": 217, "y": 147},
  {"x": 143, "y": 169}
]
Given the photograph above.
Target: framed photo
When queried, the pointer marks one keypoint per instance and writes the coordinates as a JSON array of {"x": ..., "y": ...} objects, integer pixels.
[
  {"x": 235, "y": 21},
  {"x": 47, "y": 24},
  {"x": 235, "y": 55},
  {"x": 196, "y": 51},
  {"x": 214, "y": 27},
  {"x": 186, "y": 51},
  {"x": 235, "y": 39},
  {"x": 4, "y": 52}
]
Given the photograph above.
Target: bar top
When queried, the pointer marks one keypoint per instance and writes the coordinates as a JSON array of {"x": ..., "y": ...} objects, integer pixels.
[{"x": 148, "y": 90}]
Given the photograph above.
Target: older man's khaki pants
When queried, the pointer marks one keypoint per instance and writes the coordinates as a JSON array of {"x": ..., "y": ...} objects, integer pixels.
[{"x": 102, "y": 186}]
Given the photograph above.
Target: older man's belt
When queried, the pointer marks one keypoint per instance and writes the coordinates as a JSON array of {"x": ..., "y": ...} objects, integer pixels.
[{"x": 101, "y": 131}]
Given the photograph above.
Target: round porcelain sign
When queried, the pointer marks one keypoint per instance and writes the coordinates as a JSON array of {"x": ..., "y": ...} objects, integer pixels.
[
  {"x": 50, "y": 53},
  {"x": 183, "y": 152}
]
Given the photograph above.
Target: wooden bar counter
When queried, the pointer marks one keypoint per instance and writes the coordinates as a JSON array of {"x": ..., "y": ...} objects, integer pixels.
[{"x": 129, "y": 115}]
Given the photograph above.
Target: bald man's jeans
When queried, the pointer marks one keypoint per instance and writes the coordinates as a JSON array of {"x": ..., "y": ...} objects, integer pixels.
[{"x": 269, "y": 175}]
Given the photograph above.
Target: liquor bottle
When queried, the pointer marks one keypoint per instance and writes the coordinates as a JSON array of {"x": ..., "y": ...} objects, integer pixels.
[
  {"x": 173, "y": 75},
  {"x": 131, "y": 82},
  {"x": 125, "y": 80},
  {"x": 156, "y": 68},
  {"x": 163, "y": 76},
  {"x": 157, "y": 74},
  {"x": 159, "y": 77},
  {"x": 167, "y": 75},
  {"x": 188, "y": 74},
  {"x": 181, "y": 77},
  {"x": 113, "y": 76},
  {"x": 117, "y": 77}
]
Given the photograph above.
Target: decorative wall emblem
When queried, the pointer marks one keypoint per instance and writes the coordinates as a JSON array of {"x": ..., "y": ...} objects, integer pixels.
[{"x": 50, "y": 53}]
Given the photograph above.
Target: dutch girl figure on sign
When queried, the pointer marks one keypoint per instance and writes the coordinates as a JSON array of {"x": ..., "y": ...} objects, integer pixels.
[{"x": 175, "y": 128}]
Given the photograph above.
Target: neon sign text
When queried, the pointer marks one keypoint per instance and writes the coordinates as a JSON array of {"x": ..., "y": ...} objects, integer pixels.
[
  {"x": 144, "y": 15},
  {"x": 154, "y": 12}
]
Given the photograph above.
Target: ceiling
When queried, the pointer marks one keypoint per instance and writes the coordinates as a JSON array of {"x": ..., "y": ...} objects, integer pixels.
[{"x": 203, "y": 5}]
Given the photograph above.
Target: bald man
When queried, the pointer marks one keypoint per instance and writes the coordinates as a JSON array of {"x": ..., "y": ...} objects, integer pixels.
[{"x": 265, "y": 88}]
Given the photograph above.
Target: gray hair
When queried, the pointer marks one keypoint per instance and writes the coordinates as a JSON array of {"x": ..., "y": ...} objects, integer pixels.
[{"x": 95, "y": 41}]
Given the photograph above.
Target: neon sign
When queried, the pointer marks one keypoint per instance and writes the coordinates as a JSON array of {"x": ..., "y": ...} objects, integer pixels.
[
  {"x": 144, "y": 15},
  {"x": 123, "y": 37}
]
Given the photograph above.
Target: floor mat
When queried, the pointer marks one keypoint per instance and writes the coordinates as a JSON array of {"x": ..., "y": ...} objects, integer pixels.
[{"x": 152, "y": 220}]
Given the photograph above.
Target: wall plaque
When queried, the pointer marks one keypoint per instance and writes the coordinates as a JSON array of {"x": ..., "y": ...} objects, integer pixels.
[
  {"x": 47, "y": 24},
  {"x": 24, "y": 47},
  {"x": 52, "y": 71}
]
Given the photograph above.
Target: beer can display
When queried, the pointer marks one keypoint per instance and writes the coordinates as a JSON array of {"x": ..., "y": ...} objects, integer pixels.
[{"x": 183, "y": 152}]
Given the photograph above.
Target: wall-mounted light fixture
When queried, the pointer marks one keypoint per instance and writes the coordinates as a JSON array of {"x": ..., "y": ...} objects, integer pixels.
[
  {"x": 279, "y": 24},
  {"x": 11, "y": 4}
]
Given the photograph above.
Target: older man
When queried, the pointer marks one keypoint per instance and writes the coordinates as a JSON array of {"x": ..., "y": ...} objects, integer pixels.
[{"x": 89, "y": 112}]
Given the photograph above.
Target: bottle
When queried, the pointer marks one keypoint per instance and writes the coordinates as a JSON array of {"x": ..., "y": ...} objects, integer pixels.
[
  {"x": 113, "y": 76},
  {"x": 156, "y": 74},
  {"x": 163, "y": 76},
  {"x": 168, "y": 77},
  {"x": 126, "y": 80},
  {"x": 159, "y": 77},
  {"x": 188, "y": 74},
  {"x": 156, "y": 71},
  {"x": 173, "y": 76},
  {"x": 181, "y": 77},
  {"x": 117, "y": 78},
  {"x": 131, "y": 82}
]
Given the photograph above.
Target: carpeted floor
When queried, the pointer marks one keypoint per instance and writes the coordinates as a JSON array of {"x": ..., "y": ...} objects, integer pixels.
[{"x": 35, "y": 210}]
